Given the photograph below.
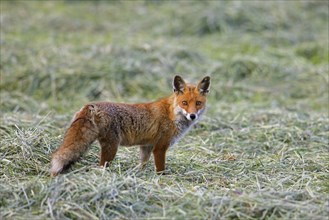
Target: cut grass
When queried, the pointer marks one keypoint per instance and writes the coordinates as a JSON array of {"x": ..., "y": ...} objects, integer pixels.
[
  {"x": 277, "y": 169},
  {"x": 261, "y": 151}
]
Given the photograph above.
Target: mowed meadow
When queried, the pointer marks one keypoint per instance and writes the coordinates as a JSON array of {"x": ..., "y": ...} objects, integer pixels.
[{"x": 260, "y": 152}]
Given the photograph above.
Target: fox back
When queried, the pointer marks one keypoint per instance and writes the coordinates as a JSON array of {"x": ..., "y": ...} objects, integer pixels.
[{"x": 154, "y": 126}]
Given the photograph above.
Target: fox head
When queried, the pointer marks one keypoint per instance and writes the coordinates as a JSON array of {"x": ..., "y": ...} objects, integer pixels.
[{"x": 190, "y": 100}]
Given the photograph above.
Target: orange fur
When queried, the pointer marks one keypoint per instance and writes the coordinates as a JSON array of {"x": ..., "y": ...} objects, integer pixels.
[{"x": 154, "y": 126}]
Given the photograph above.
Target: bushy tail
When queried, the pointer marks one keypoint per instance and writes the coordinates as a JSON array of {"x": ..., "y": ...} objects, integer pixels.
[{"x": 82, "y": 132}]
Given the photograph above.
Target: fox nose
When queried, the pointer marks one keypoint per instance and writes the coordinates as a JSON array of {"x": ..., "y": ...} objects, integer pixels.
[{"x": 192, "y": 116}]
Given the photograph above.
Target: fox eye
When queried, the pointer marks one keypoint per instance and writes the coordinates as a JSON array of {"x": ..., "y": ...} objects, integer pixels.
[
  {"x": 184, "y": 102},
  {"x": 198, "y": 103}
]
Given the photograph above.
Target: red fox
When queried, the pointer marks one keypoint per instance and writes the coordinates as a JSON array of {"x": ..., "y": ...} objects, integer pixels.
[{"x": 153, "y": 126}]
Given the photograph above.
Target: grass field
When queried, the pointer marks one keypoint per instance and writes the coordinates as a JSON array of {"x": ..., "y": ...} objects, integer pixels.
[{"x": 260, "y": 152}]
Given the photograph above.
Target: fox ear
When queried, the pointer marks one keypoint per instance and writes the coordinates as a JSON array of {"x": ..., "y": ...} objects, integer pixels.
[
  {"x": 204, "y": 85},
  {"x": 179, "y": 84}
]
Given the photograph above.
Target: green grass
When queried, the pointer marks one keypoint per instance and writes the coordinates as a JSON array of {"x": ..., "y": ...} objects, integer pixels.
[{"x": 260, "y": 152}]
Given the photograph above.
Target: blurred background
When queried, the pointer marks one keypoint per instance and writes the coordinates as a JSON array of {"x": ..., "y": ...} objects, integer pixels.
[{"x": 58, "y": 55}]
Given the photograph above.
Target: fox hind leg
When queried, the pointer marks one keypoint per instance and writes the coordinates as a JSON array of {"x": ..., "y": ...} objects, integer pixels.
[{"x": 109, "y": 149}]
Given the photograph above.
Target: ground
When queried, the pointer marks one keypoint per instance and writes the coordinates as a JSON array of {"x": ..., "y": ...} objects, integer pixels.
[{"x": 260, "y": 152}]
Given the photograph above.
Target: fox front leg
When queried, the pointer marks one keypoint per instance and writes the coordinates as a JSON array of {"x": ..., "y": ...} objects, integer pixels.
[
  {"x": 159, "y": 153},
  {"x": 145, "y": 153}
]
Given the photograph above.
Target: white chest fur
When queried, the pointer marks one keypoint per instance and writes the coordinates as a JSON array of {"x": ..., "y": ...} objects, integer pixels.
[{"x": 183, "y": 126}]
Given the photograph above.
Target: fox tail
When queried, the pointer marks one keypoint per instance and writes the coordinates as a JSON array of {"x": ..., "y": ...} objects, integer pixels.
[{"x": 79, "y": 136}]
